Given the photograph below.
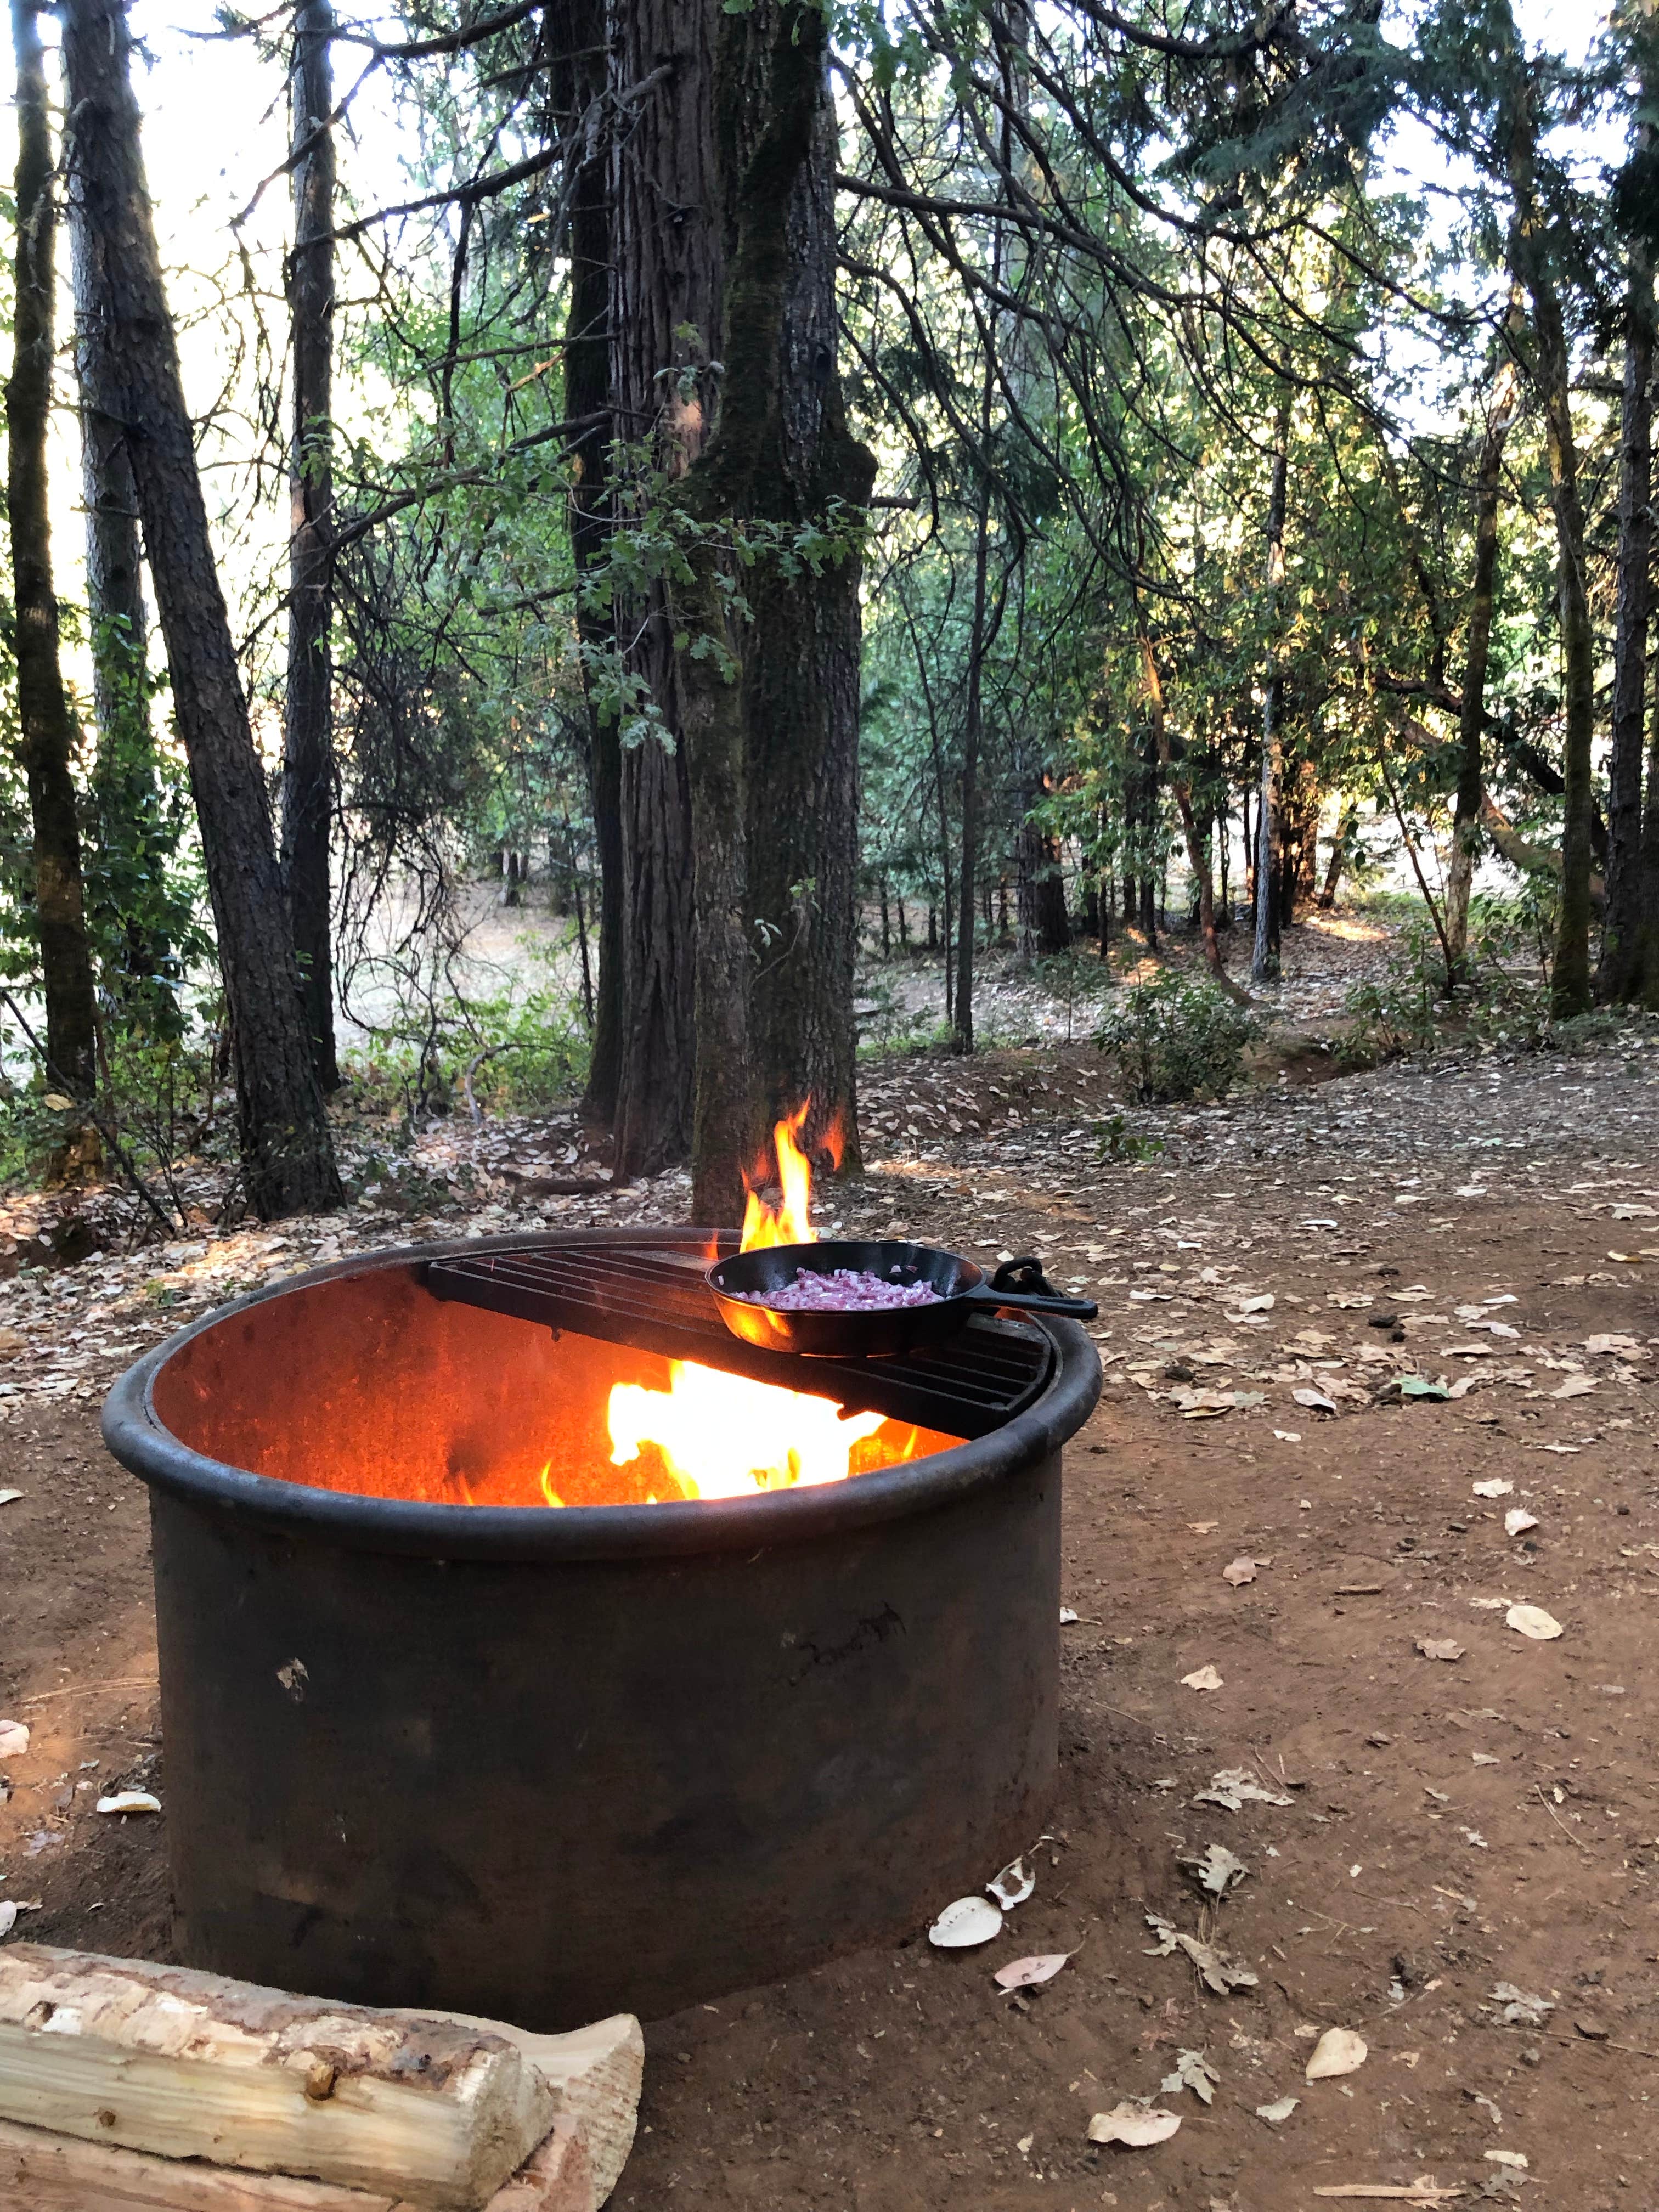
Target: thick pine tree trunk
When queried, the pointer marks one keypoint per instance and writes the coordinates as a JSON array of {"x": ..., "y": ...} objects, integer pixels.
[
  {"x": 123, "y": 780},
  {"x": 771, "y": 716},
  {"x": 665, "y": 298},
  {"x": 1472, "y": 717},
  {"x": 308, "y": 720},
  {"x": 579, "y": 83},
  {"x": 1569, "y": 978},
  {"x": 47, "y": 727},
  {"x": 1623, "y": 944},
  {"x": 287, "y": 1156},
  {"x": 802, "y": 696}
]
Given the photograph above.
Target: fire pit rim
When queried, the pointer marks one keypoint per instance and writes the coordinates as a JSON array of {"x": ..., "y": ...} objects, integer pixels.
[{"x": 138, "y": 1437}]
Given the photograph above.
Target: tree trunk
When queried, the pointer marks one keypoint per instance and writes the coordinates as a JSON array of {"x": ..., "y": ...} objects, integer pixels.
[
  {"x": 577, "y": 90},
  {"x": 309, "y": 718},
  {"x": 1472, "y": 718},
  {"x": 1197, "y": 858},
  {"x": 126, "y": 792},
  {"x": 288, "y": 1154},
  {"x": 1569, "y": 978},
  {"x": 1622, "y": 979},
  {"x": 1264, "y": 965},
  {"x": 1647, "y": 934},
  {"x": 970, "y": 738},
  {"x": 46, "y": 726},
  {"x": 1345, "y": 820},
  {"x": 665, "y": 294},
  {"x": 802, "y": 653}
]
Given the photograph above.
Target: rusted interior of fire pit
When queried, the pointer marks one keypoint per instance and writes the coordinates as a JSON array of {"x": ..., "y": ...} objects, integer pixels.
[
  {"x": 367, "y": 1384},
  {"x": 549, "y": 1764}
]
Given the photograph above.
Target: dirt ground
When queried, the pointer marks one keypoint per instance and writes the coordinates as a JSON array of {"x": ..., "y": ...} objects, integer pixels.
[{"x": 1461, "y": 1868}]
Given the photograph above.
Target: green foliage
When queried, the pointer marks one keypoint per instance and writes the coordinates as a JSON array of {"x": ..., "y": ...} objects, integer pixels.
[
  {"x": 519, "y": 1050},
  {"x": 1175, "y": 1038}
]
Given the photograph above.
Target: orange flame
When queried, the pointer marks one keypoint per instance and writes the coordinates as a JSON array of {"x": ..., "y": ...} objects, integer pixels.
[
  {"x": 722, "y": 1435},
  {"x": 791, "y": 1222}
]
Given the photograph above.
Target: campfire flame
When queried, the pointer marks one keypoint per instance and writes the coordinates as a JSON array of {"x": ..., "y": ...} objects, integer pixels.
[
  {"x": 722, "y": 1435},
  {"x": 791, "y": 1221}
]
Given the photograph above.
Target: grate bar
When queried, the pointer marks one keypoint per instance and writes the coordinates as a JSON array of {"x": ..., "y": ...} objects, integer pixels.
[{"x": 653, "y": 1298}]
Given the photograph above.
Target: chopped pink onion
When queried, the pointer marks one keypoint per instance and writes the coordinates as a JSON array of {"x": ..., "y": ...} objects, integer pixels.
[{"x": 842, "y": 1290}]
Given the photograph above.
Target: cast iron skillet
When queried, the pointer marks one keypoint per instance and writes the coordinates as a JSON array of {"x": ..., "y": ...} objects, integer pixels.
[{"x": 1018, "y": 1285}]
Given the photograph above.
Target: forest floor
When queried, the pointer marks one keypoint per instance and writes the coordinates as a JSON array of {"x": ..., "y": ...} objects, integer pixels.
[{"x": 1455, "y": 1843}]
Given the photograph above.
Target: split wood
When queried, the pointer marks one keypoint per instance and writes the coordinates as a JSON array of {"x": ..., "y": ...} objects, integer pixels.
[{"x": 425, "y": 2111}]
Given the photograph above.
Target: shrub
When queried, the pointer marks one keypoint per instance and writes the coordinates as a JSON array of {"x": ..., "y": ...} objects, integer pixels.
[{"x": 1175, "y": 1039}]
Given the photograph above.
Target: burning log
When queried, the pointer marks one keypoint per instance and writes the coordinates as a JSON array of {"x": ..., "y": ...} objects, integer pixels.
[{"x": 113, "y": 2071}]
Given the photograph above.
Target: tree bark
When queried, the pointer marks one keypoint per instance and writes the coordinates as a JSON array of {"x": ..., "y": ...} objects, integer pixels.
[
  {"x": 579, "y": 85},
  {"x": 308, "y": 719},
  {"x": 1472, "y": 718},
  {"x": 1622, "y": 941},
  {"x": 972, "y": 717},
  {"x": 46, "y": 724},
  {"x": 287, "y": 1150},
  {"x": 1569, "y": 978},
  {"x": 126, "y": 791},
  {"x": 666, "y": 280},
  {"x": 1264, "y": 965},
  {"x": 801, "y": 679},
  {"x": 769, "y": 707}
]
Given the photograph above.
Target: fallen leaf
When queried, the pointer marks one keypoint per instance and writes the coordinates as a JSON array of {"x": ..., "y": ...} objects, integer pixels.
[
  {"x": 1202, "y": 1678},
  {"x": 1288, "y": 1435},
  {"x": 1262, "y": 1302},
  {"x": 1217, "y": 1871},
  {"x": 1203, "y": 1528},
  {"x": 6, "y": 1497},
  {"x": 1236, "y": 1786},
  {"x": 1514, "y": 2158},
  {"x": 1419, "y": 1386},
  {"x": 1521, "y": 2008},
  {"x": 1316, "y": 1401},
  {"x": 1612, "y": 1343},
  {"x": 13, "y": 1739},
  {"x": 1497, "y": 1487},
  {"x": 1219, "y": 1973},
  {"x": 970, "y": 1921},
  {"x": 1013, "y": 1884},
  {"x": 1066, "y": 1616},
  {"x": 8, "y": 1919},
  {"x": 1531, "y": 1621},
  {"x": 1132, "y": 2124},
  {"x": 130, "y": 1800},
  {"x": 1440, "y": 1647},
  {"x": 1279, "y": 2112},
  {"x": 57, "y": 1102},
  {"x": 1032, "y": 1973},
  {"x": 1338, "y": 2050},
  {"x": 1576, "y": 1386},
  {"x": 1192, "y": 2071},
  {"x": 1517, "y": 1521},
  {"x": 1238, "y": 1571},
  {"x": 1485, "y": 1759}
]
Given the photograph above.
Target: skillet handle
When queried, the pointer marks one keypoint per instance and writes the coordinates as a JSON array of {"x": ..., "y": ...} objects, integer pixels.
[{"x": 1022, "y": 1285}]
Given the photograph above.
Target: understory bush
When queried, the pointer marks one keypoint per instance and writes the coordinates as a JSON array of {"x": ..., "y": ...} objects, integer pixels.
[{"x": 1176, "y": 1038}]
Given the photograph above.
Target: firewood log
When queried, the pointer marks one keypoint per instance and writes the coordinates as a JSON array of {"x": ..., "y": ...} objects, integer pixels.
[
  {"x": 41, "y": 2172},
  {"x": 434, "y": 2113}
]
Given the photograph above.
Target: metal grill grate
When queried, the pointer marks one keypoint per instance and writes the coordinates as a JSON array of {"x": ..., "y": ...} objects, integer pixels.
[{"x": 651, "y": 1295}]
